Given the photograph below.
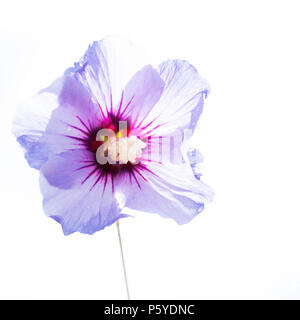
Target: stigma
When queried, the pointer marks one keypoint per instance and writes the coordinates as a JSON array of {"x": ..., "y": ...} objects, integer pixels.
[{"x": 117, "y": 150}]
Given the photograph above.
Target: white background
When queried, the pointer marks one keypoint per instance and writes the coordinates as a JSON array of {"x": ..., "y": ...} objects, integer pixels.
[{"x": 245, "y": 245}]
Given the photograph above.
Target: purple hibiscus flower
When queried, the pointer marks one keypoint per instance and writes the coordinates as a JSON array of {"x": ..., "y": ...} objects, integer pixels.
[{"x": 111, "y": 134}]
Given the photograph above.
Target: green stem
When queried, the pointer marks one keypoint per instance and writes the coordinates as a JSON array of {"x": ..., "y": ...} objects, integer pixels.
[{"x": 123, "y": 260}]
